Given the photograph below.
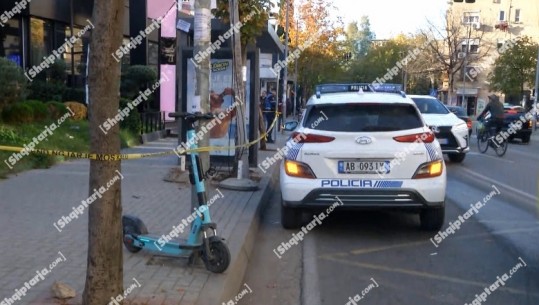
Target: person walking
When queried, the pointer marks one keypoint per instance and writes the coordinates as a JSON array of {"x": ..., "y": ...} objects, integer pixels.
[{"x": 269, "y": 111}]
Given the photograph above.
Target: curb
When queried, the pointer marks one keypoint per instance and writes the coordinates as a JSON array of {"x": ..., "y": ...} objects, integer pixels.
[
  {"x": 223, "y": 287},
  {"x": 153, "y": 136}
]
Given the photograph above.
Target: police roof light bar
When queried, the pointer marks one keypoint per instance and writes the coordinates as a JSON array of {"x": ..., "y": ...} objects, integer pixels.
[{"x": 340, "y": 88}]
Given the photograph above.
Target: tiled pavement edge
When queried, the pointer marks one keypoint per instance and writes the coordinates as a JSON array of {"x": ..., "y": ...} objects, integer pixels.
[{"x": 33, "y": 200}]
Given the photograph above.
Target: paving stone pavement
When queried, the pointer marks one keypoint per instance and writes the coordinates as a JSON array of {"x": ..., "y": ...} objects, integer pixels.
[{"x": 32, "y": 201}]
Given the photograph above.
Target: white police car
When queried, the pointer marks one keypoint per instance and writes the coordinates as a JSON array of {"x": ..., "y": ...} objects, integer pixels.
[
  {"x": 371, "y": 150},
  {"x": 451, "y": 132}
]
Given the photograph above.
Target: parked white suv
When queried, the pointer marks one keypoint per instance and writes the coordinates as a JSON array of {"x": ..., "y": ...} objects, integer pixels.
[
  {"x": 451, "y": 132},
  {"x": 371, "y": 150}
]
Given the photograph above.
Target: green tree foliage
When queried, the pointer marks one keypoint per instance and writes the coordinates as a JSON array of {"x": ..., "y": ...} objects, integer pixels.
[
  {"x": 321, "y": 60},
  {"x": 365, "y": 36},
  {"x": 515, "y": 68},
  {"x": 376, "y": 63},
  {"x": 254, "y": 15},
  {"x": 137, "y": 78},
  {"x": 12, "y": 83}
]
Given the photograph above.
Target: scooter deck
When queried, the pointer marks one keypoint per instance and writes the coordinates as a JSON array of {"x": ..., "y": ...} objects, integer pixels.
[{"x": 174, "y": 246}]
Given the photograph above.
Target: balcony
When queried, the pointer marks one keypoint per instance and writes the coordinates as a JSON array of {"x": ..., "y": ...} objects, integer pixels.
[{"x": 502, "y": 25}]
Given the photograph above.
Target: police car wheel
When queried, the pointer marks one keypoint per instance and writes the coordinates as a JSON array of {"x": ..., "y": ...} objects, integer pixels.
[
  {"x": 291, "y": 217},
  {"x": 432, "y": 219}
]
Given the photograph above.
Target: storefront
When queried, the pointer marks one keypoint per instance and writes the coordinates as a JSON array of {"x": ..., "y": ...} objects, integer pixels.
[{"x": 44, "y": 25}]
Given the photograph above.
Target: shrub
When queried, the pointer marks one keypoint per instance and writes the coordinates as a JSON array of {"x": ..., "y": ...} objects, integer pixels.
[
  {"x": 79, "y": 109},
  {"x": 18, "y": 113},
  {"x": 8, "y": 136},
  {"x": 74, "y": 94},
  {"x": 39, "y": 109},
  {"x": 44, "y": 91},
  {"x": 132, "y": 122},
  {"x": 56, "y": 109},
  {"x": 12, "y": 83},
  {"x": 137, "y": 78},
  {"x": 57, "y": 72}
]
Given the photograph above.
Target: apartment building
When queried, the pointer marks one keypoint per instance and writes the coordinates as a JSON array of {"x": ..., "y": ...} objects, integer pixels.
[{"x": 498, "y": 21}]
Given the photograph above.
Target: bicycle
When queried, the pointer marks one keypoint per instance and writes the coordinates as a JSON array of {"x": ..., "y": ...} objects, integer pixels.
[
  {"x": 202, "y": 239},
  {"x": 487, "y": 138}
]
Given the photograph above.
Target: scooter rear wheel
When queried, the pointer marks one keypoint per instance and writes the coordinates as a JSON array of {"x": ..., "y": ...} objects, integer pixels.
[{"x": 220, "y": 256}]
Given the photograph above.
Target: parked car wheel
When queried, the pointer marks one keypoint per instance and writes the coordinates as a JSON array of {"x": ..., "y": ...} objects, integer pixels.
[
  {"x": 526, "y": 138},
  {"x": 456, "y": 158}
]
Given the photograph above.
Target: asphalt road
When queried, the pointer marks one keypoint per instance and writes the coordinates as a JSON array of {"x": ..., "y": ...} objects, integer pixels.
[{"x": 383, "y": 258}]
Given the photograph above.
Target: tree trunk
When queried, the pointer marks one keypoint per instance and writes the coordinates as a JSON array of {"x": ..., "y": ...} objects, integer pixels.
[{"x": 104, "y": 275}]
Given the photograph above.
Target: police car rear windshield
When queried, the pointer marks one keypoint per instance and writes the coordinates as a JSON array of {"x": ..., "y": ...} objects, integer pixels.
[{"x": 362, "y": 117}]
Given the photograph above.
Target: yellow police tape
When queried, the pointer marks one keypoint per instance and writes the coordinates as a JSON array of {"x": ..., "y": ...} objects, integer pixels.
[{"x": 116, "y": 157}]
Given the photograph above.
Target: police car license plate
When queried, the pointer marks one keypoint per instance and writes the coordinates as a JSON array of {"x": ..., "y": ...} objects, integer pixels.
[{"x": 363, "y": 167}]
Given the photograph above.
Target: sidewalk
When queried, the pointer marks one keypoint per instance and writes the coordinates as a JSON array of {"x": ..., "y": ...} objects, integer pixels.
[{"x": 32, "y": 201}]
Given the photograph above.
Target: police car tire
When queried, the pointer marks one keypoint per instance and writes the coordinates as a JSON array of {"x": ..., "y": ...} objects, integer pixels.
[
  {"x": 432, "y": 219},
  {"x": 290, "y": 217}
]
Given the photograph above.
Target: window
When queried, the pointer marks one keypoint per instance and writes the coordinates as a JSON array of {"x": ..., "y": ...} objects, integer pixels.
[
  {"x": 500, "y": 43},
  {"x": 153, "y": 53},
  {"x": 470, "y": 46},
  {"x": 471, "y": 18},
  {"x": 430, "y": 105},
  {"x": 10, "y": 41},
  {"x": 126, "y": 59},
  {"x": 517, "y": 15},
  {"x": 502, "y": 16},
  {"x": 363, "y": 117},
  {"x": 41, "y": 42}
]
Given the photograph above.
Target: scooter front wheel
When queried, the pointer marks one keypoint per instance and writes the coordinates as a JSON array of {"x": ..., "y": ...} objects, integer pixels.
[{"x": 218, "y": 259}]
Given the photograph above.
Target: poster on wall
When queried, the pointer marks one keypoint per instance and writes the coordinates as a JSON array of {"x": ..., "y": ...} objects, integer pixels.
[
  {"x": 221, "y": 100},
  {"x": 168, "y": 50}
]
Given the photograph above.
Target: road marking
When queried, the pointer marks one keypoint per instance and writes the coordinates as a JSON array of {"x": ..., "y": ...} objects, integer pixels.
[
  {"x": 311, "y": 290},
  {"x": 527, "y": 154},
  {"x": 430, "y": 276},
  {"x": 473, "y": 153},
  {"x": 426, "y": 242},
  {"x": 496, "y": 182}
]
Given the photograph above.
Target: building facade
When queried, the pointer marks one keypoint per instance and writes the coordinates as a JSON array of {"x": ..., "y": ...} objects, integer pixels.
[
  {"x": 32, "y": 31},
  {"x": 497, "y": 21}
]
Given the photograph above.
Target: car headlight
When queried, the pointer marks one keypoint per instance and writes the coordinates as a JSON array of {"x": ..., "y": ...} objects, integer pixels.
[{"x": 461, "y": 127}]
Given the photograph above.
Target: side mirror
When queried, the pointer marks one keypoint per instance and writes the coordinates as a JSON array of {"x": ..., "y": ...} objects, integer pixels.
[{"x": 290, "y": 126}]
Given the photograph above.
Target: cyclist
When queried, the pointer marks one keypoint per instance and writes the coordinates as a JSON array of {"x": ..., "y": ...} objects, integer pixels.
[{"x": 495, "y": 107}]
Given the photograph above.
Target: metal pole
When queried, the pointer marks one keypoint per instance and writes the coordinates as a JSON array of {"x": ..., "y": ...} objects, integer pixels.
[
  {"x": 285, "y": 78},
  {"x": 536, "y": 90},
  {"x": 72, "y": 29},
  {"x": 296, "y": 74},
  {"x": 464, "y": 68}
]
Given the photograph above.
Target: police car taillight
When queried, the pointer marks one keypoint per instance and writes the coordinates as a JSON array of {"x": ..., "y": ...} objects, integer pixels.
[
  {"x": 298, "y": 169},
  {"x": 425, "y": 137},
  {"x": 311, "y": 138},
  {"x": 429, "y": 170}
]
